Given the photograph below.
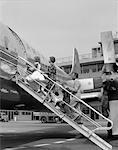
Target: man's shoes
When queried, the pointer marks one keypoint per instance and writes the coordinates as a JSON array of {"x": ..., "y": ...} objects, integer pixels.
[{"x": 79, "y": 122}]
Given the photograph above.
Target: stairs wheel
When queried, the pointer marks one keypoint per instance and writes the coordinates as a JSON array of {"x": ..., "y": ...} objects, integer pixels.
[{"x": 43, "y": 119}]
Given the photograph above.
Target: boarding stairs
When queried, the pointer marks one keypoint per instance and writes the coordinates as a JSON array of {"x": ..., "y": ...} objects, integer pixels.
[{"x": 44, "y": 97}]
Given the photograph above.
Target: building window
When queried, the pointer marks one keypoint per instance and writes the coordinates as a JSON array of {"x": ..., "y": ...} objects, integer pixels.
[
  {"x": 23, "y": 113},
  {"x": 28, "y": 113},
  {"x": 100, "y": 67},
  {"x": 96, "y": 116},
  {"x": 67, "y": 70},
  {"x": 93, "y": 68},
  {"x": 85, "y": 69}
]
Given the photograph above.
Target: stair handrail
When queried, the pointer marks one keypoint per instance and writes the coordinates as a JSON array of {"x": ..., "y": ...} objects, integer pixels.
[{"x": 79, "y": 100}]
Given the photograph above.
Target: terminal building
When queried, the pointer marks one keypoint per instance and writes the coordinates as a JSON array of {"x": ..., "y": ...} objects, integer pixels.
[
  {"x": 16, "y": 102},
  {"x": 91, "y": 67}
]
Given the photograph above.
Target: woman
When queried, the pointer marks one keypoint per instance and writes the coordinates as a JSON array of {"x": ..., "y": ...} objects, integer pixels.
[
  {"x": 37, "y": 74},
  {"x": 36, "y": 77}
]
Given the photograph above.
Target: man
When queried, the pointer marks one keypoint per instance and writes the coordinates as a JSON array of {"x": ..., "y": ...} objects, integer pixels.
[
  {"x": 75, "y": 89},
  {"x": 110, "y": 86},
  {"x": 51, "y": 72},
  {"x": 66, "y": 108}
]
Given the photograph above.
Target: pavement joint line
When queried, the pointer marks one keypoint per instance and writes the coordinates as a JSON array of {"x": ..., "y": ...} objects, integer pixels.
[
  {"x": 14, "y": 148},
  {"x": 11, "y": 130},
  {"x": 58, "y": 142},
  {"x": 41, "y": 145},
  {"x": 72, "y": 139}
]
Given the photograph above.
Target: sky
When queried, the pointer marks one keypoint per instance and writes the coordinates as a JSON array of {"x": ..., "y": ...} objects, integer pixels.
[{"x": 55, "y": 27}]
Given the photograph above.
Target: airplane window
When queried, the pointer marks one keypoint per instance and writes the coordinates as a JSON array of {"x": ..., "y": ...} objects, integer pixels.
[
  {"x": 23, "y": 113},
  {"x": 16, "y": 113}
]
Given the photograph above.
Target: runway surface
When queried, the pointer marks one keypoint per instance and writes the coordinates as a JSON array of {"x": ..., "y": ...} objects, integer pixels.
[{"x": 37, "y": 136}]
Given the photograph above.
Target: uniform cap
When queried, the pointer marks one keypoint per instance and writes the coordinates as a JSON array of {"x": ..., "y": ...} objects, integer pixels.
[{"x": 37, "y": 59}]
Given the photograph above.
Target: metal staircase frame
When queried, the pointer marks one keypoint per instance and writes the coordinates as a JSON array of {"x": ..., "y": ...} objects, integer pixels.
[{"x": 79, "y": 127}]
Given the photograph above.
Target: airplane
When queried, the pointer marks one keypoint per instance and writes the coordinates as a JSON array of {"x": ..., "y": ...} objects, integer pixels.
[
  {"x": 12, "y": 46},
  {"x": 12, "y": 49}
]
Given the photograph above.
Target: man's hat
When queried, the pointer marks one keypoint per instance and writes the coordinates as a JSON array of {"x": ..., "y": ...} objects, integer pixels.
[{"x": 52, "y": 59}]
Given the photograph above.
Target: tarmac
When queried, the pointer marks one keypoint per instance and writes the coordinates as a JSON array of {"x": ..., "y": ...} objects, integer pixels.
[
  {"x": 27, "y": 126},
  {"x": 21, "y": 128}
]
